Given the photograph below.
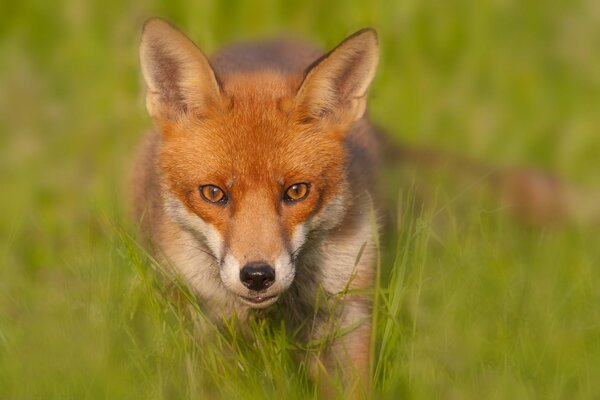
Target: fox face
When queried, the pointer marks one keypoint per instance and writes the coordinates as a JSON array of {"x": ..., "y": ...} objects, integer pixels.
[
  {"x": 253, "y": 164},
  {"x": 259, "y": 185}
]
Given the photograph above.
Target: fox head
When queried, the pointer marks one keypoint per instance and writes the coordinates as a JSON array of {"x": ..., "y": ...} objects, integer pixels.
[{"x": 254, "y": 163}]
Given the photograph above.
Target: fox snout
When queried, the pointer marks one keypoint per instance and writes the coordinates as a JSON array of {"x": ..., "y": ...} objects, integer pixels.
[{"x": 257, "y": 283}]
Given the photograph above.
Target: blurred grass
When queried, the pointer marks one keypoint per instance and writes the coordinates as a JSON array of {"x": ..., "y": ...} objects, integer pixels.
[{"x": 483, "y": 308}]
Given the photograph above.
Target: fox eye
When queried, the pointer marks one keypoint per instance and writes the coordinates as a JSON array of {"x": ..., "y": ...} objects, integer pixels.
[
  {"x": 296, "y": 192},
  {"x": 213, "y": 194}
]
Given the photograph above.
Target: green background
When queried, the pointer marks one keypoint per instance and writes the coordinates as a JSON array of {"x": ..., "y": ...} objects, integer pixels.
[{"x": 481, "y": 307}]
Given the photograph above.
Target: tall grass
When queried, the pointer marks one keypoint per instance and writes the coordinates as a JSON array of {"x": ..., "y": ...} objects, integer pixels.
[{"x": 472, "y": 304}]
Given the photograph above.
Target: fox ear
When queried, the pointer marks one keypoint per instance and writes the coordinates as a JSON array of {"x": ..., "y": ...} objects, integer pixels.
[
  {"x": 335, "y": 86},
  {"x": 179, "y": 78}
]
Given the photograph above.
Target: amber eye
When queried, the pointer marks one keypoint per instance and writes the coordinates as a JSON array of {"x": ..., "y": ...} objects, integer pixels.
[
  {"x": 213, "y": 194},
  {"x": 296, "y": 192}
]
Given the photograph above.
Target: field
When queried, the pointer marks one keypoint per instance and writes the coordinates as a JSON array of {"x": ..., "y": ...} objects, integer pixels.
[{"x": 473, "y": 304}]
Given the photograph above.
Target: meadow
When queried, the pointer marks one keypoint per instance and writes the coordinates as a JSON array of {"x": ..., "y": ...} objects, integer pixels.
[{"x": 472, "y": 304}]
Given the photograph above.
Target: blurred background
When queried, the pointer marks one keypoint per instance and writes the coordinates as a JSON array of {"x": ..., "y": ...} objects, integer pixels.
[{"x": 502, "y": 311}]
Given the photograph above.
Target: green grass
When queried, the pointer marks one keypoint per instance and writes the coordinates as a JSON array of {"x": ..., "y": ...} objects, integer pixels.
[{"x": 472, "y": 304}]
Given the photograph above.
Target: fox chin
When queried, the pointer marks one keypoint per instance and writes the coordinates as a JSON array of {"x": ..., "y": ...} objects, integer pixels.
[{"x": 254, "y": 184}]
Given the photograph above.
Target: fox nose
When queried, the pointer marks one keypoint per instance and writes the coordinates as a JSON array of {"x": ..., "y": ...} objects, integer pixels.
[{"x": 257, "y": 276}]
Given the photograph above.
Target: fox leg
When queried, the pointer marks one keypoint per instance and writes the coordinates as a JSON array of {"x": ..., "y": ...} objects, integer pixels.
[{"x": 342, "y": 365}]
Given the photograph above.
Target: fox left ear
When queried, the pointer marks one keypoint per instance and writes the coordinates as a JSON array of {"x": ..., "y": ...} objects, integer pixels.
[
  {"x": 178, "y": 76},
  {"x": 335, "y": 86}
]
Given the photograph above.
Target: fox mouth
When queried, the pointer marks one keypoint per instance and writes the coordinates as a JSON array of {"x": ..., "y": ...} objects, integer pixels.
[{"x": 259, "y": 301}]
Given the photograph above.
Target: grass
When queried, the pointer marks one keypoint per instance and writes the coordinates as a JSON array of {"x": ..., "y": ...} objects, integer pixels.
[{"x": 472, "y": 304}]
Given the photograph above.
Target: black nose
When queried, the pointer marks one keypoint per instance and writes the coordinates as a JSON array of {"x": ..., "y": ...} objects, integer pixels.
[{"x": 257, "y": 276}]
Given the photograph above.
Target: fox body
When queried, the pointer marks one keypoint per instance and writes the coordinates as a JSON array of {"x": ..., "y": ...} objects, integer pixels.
[{"x": 254, "y": 185}]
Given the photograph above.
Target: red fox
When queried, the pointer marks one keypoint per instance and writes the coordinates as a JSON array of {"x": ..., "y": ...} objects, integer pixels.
[{"x": 255, "y": 183}]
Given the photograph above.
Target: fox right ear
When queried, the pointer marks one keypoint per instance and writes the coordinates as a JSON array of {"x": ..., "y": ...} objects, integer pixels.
[
  {"x": 335, "y": 86},
  {"x": 179, "y": 79}
]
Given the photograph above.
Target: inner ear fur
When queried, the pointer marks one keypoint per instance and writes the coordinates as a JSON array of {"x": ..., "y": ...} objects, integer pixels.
[
  {"x": 178, "y": 76},
  {"x": 335, "y": 86}
]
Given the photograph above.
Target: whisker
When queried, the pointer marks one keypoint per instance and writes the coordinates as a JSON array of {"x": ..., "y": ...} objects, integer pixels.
[{"x": 203, "y": 250}]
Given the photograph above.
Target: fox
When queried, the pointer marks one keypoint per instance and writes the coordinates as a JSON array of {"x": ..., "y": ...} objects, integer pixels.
[
  {"x": 257, "y": 186},
  {"x": 255, "y": 183}
]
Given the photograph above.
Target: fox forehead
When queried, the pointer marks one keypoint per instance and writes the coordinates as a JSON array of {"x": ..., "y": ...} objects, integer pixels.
[{"x": 254, "y": 140}]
